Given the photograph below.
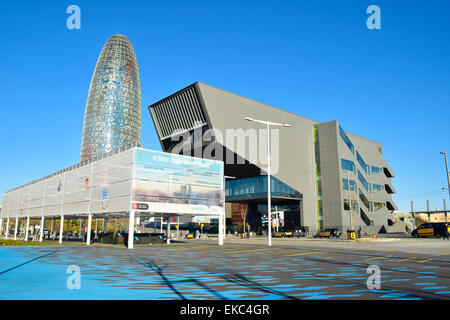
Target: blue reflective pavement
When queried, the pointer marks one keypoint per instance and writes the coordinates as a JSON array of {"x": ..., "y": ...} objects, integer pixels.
[{"x": 207, "y": 271}]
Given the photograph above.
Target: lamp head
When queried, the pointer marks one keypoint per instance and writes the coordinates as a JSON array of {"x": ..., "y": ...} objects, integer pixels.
[{"x": 249, "y": 119}]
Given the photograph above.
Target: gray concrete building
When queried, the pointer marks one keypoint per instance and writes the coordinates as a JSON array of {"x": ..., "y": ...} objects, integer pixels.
[{"x": 310, "y": 161}]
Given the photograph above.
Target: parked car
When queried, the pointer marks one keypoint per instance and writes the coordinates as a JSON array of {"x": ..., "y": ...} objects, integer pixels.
[
  {"x": 299, "y": 233},
  {"x": 288, "y": 234},
  {"x": 435, "y": 229},
  {"x": 329, "y": 233},
  {"x": 278, "y": 234}
]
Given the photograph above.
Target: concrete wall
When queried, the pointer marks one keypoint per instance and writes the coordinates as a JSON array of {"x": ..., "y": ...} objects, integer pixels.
[{"x": 331, "y": 186}]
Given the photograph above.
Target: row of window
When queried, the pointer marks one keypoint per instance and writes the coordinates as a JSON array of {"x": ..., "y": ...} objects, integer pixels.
[
  {"x": 373, "y": 187},
  {"x": 364, "y": 182},
  {"x": 346, "y": 140},
  {"x": 257, "y": 187},
  {"x": 363, "y": 164},
  {"x": 371, "y": 206},
  {"x": 349, "y": 165}
]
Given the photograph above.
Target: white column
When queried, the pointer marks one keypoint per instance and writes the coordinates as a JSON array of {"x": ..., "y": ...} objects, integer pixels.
[
  {"x": 41, "y": 229},
  {"x": 269, "y": 203},
  {"x": 168, "y": 230},
  {"x": 15, "y": 228},
  {"x": 61, "y": 229},
  {"x": 88, "y": 236},
  {"x": 224, "y": 222},
  {"x": 7, "y": 228},
  {"x": 26, "y": 230},
  {"x": 1, "y": 226},
  {"x": 221, "y": 227},
  {"x": 131, "y": 230},
  {"x": 161, "y": 226}
]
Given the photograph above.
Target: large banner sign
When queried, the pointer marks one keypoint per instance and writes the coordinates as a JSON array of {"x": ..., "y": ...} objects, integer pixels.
[
  {"x": 134, "y": 179},
  {"x": 173, "y": 183}
]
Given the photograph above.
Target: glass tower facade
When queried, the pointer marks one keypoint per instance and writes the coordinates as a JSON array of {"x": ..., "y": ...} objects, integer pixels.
[{"x": 113, "y": 110}]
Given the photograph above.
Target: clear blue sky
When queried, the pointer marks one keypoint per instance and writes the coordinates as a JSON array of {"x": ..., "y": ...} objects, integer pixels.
[{"x": 313, "y": 58}]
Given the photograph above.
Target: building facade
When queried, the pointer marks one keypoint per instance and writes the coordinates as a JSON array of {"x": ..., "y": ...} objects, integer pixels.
[
  {"x": 311, "y": 162},
  {"x": 113, "y": 109}
]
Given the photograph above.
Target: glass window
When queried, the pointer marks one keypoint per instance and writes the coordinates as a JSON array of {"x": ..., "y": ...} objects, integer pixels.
[
  {"x": 346, "y": 140},
  {"x": 347, "y": 207},
  {"x": 364, "y": 200},
  {"x": 362, "y": 163},
  {"x": 378, "y": 206},
  {"x": 256, "y": 187},
  {"x": 377, "y": 187},
  {"x": 364, "y": 181},
  {"x": 347, "y": 165},
  {"x": 352, "y": 184},
  {"x": 375, "y": 170}
]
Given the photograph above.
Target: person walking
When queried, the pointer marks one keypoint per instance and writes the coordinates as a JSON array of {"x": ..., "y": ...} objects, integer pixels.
[{"x": 445, "y": 234}]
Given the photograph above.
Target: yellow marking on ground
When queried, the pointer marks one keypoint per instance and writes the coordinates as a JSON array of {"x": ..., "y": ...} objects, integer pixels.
[
  {"x": 259, "y": 251},
  {"x": 401, "y": 260},
  {"x": 301, "y": 254},
  {"x": 247, "y": 250},
  {"x": 378, "y": 258},
  {"x": 424, "y": 260},
  {"x": 280, "y": 252}
]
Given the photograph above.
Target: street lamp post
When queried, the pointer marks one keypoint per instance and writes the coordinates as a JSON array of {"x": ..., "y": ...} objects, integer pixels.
[
  {"x": 350, "y": 204},
  {"x": 269, "y": 204},
  {"x": 446, "y": 171},
  {"x": 224, "y": 224}
]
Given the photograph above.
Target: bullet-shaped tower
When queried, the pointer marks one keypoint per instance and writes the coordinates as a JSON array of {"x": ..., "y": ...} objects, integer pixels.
[{"x": 113, "y": 110}]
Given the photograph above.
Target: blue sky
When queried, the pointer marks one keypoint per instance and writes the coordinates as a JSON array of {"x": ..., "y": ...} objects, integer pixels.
[{"x": 314, "y": 58}]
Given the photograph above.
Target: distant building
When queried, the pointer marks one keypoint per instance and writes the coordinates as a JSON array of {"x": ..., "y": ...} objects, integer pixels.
[
  {"x": 113, "y": 110},
  {"x": 309, "y": 171},
  {"x": 421, "y": 218}
]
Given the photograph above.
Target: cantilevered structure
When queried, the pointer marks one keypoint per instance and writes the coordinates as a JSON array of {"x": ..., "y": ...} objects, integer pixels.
[{"x": 311, "y": 161}]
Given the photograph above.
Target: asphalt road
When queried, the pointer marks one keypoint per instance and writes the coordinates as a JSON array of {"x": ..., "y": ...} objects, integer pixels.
[{"x": 409, "y": 269}]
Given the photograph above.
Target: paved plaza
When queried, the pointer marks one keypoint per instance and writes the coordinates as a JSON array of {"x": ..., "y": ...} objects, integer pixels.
[{"x": 410, "y": 269}]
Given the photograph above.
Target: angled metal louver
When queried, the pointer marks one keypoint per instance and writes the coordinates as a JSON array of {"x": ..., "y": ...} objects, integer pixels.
[{"x": 178, "y": 113}]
